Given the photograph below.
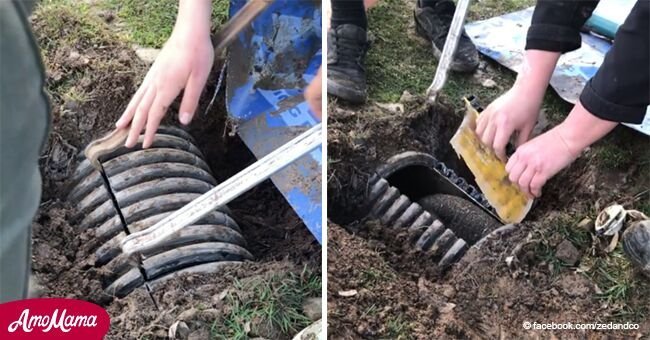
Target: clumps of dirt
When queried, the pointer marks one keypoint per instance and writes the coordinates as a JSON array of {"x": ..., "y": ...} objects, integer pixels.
[
  {"x": 370, "y": 299},
  {"x": 361, "y": 138},
  {"x": 502, "y": 283},
  {"x": 203, "y": 311},
  {"x": 62, "y": 269},
  {"x": 91, "y": 76}
]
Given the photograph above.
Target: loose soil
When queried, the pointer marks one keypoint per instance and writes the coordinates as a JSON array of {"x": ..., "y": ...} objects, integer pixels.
[
  {"x": 380, "y": 287},
  {"x": 90, "y": 81}
]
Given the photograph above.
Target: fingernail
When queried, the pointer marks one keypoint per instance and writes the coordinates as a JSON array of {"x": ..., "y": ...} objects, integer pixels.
[{"x": 185, "y": 118}]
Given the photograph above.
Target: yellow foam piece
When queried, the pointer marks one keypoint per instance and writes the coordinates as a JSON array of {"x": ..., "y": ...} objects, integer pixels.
[{"x": 510, "y": 203}]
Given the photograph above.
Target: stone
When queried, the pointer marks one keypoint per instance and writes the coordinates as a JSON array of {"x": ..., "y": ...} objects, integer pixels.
[
  {"x": 312, "y": 308},
  {"x": 567, "y": 253},
  {"x": 147, "y": 55}
]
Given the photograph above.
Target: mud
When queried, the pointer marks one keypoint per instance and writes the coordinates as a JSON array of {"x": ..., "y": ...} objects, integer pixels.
[
  {"x": 90, "y": 81},
  {"x": 399, "y": 293}
]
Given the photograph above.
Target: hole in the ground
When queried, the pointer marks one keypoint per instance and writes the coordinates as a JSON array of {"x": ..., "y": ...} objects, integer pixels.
[{"x": 445, "y": 195}]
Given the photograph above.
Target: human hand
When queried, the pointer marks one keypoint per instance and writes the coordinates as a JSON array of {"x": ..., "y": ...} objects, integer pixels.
[
  {"x": 314, "y": 94},
  {"x": 511, "y": 113},
  {"x": 517, "y": 110},
  {"x": 184, "y": 63},
  {"x": 538, "y": 160}
]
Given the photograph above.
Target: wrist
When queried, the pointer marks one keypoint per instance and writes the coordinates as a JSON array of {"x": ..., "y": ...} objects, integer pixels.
[
  {"x": 194, "y": 17},
  {"x": 581, "y": 129}
]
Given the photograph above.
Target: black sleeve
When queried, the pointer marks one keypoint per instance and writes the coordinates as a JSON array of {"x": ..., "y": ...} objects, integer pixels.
[
  {"x": 556, "y": 24},
  {"x": 620, "y": 90}
]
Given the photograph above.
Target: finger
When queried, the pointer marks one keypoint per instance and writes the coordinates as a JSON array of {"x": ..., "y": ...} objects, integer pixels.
[
  {"x": 536, "y": 184},
  {"x": 516, "y": 172},
  {"x": 525, "y": 179},
  {"x": 500, "y": 142},
  {"x": 523, "y": 136},
  {"x": 511, "y": 162},
  {"x": 488, "y": 135},
  {"x": 481, "y": 123},
  {"x": 140, "y": 117},
  {"x": 156, "y": 113},
  {"x": 129, "y": 112},
  {"x": 191, "y": 97}
]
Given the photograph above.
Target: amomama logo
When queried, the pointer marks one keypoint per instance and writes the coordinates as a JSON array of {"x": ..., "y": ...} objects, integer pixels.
[{"x": 52, "y": 319}]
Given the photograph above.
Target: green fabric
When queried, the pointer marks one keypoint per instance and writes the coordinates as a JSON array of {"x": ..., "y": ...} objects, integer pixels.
[{"x": 24, "y": 121}]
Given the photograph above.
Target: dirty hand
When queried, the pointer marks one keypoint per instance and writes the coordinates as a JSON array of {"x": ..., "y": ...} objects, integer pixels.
[
  {"x": 510, "y": 113},
  {"x": 517, "y": 110},
  {"x": 314, "y": 94},
  {"x": 184, "y": 63},
  {"x": 538, "y": 160}
]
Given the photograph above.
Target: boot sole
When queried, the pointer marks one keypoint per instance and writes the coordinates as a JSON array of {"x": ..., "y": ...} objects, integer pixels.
[
  {"x": 455, "y": 66},
  {"x": 352, "y": 96}
]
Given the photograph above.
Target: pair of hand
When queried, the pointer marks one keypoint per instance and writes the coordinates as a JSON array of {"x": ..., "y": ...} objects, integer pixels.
[{"x": 534, "y": 161}]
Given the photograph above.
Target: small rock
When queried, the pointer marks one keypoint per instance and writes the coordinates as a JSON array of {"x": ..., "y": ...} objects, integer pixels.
[
  {"x": 447, "y": 308},
  {"x": 179, "y": 330},
  {"x": 489, "y": 83},
  {"x": 567, "y": 253},
  {"x": 406, "y": 97},
  {"x": 147, "y": 55},
  {"x": 217, "y": 298},
  {"x": 392, "y": 107},
  {"x": 200, "y": 334},
  {"x": 448, "y": 291},
  {"x": 187, "y": 315},
  {"x": 312, "y": 307},
  {"x": 348, "y": 293},
  {"x": 75, "y": 59},
  {"x": 586, "y": 224}
]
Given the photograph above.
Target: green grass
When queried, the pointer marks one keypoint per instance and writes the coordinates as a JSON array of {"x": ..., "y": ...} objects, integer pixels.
[
  {"x": 399, "y": 329},
  {"x": 275, "y": 301},
  {"x": 400, "y": 61},
  {"x": 150, "y": 22},
  {"x": 70, "y": 23}
]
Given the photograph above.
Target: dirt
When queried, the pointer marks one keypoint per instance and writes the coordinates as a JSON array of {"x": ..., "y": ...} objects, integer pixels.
[
  {"x": 398, "y": 292},
  {"x": 90, "y": 81}
]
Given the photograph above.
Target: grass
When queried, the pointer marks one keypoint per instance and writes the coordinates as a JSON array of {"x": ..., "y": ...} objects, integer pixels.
[
  {"x": 150, "y": 22},
  {"x": 612, "y": 273},
  {"x": 274, "y": 301},
  {"x": 399, "y": 329},
  {"x": 400, "y": 61},
  {"x": 70, "y": 23}
]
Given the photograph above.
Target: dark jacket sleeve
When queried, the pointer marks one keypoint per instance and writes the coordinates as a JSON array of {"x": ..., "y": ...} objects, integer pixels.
[
  {"x": 556, "y": 24},
  {"x": 620, "y": 90}
]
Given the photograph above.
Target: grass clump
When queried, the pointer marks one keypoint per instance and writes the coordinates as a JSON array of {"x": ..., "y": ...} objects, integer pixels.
[
  {"x": 267, "y": 306},
  {"x": 150, "y": 22}
]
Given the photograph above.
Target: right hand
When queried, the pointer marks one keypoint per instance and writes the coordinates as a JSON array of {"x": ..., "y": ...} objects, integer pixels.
[
  {"x": 510, "y": 113},
  {"x": 184, "y": 63}
]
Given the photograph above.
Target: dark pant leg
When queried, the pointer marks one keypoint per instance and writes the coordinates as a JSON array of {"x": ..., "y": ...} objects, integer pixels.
[
  {"x": 620, "y": 90},
  {"x": 24, "y": 120},
  {"x": 349, "y": 12}
]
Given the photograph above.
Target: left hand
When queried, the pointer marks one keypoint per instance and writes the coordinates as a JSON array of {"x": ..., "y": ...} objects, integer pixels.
[
  {"x": 314, "y": 94},
  {"x": 538, "y": 160}
]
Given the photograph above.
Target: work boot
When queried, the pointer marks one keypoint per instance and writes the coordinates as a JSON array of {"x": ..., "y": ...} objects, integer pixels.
[
  {"x": 346, "y": 47},
  {"x": 636, "y": 244},
  {"x": 432, "y": 23}
]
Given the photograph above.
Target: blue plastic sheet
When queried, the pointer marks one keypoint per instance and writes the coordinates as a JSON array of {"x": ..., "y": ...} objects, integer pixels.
[{"x": 269, "y": 66}]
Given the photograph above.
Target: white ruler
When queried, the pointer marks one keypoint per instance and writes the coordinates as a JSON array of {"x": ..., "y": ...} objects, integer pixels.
[{"x": 225, "y": 192}]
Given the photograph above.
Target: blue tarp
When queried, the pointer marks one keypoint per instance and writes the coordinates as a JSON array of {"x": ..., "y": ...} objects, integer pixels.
[{"x": 268, "y": 68}]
